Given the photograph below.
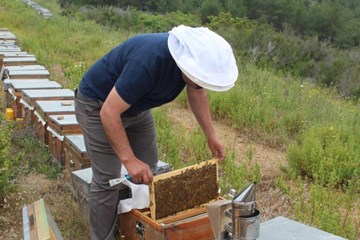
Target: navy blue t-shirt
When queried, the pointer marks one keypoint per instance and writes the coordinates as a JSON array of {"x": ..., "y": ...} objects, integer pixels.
[{"x": 142, "y": 70}]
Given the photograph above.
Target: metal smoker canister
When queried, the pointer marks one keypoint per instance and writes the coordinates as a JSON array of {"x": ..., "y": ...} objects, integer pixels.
[{"x": 245, "y": 217}]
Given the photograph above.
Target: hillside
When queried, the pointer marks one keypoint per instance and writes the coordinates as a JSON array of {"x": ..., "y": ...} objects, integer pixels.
[{"x": 299, "y": 140}]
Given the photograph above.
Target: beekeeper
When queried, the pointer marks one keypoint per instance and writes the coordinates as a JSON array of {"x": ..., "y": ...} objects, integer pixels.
[{"x": 114, "y": 99}]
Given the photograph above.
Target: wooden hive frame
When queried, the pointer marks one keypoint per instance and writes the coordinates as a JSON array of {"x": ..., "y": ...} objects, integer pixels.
[{"x": 187, "y": 199}]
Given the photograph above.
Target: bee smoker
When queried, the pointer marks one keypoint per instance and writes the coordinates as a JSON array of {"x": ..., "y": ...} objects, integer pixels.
[{"x": 236, "y": 219}]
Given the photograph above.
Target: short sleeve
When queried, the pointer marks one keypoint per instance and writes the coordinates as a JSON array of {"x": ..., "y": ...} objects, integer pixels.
[{"x": 134, "y": 82}]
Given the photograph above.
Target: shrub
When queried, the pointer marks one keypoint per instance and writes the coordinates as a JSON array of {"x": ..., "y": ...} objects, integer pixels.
[
  {"x": 328, "y": 153},
  {"x": 286, "y": 51},
  {"x": 162, "y": 23}
]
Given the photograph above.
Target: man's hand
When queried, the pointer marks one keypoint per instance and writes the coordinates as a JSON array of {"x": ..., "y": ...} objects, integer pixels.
[
  {"x": 110, "y": 117},
  {"x": 140, "y": 172},
  {"x": 216, "y": 148}
]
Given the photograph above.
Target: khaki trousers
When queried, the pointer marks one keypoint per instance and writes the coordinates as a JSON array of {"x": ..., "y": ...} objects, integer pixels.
[{"x": 140, "y": 130}]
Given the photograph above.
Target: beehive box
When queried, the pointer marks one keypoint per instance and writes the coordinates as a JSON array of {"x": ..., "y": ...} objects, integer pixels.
[
  {"x": 8, "y": 82},
  {"x": 178, "y": 198},
  {"x": 81, "y": 188},
  {"x": 10, "y": 48},
  {"x": 42, "y": 111},
  {"x": 25, "y": 67},
  {"x": 17, "y": 86},
  {"x": 6, "y": 35},
  {"x": 14, "y": 53},
  {"x": 18, "y": 61},
  {"x": 81, "y": 180},
  {"x": 30, "y": 96},
  {"x": 5, "y": 53},
  {"x": 7, "y": 42},
  {"x": 59, "y": 126},
  {"x": 26, "y": 72},
  {"x": 281, "y": 228},
  {"x": 137, "y": 224},
  {"x": 11, "y": 95},
  {"x": 75, "y": 155}
]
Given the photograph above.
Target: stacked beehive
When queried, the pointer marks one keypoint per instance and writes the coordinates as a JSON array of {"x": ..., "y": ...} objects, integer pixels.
[
  {"x": 47, "y": 110},
  {"x": 44, "y": 105},
  {"x": 27, "y": 89},
  {"x": 46, "y": 13}
]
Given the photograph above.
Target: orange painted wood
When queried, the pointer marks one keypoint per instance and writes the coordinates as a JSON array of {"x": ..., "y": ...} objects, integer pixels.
[
  {"x": 197, "y": 229},
  {"x": 73, "y": 160},
  {"x": 194, "y": 228}
]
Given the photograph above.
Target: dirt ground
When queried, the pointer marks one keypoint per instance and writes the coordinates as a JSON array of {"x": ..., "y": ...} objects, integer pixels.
[{"x": 64, "y": 206}]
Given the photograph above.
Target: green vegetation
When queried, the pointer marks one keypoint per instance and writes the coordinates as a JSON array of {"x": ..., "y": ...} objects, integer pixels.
[
  {"x": 29, "y": 155},
  {"x": 336, "y": 21},
  {"x": 275, "y": 100},
  {"x": 311, "y": 54},
  {"x": 21, "y": 153},
  {"x": 5, "y": 160},
  {"x": 304, "y": 56},
  {"x": 330, "y": 210},
  {"x": 321, "y": 129}
]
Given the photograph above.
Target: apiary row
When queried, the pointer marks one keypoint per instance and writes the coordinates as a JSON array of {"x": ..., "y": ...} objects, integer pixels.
[
  {"x": 46, "y": 109},
  {"x": 46, "y": 13},
  {"x": 44, "y": 106}
]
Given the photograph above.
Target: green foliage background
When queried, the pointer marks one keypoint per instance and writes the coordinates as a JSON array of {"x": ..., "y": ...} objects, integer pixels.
[
  {"x": 279, "y": 98},
  {"x": 301, "y": 37}
]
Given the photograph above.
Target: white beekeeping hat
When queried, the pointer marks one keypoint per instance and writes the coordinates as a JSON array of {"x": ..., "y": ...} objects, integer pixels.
[{"x": 204, "y": 57}]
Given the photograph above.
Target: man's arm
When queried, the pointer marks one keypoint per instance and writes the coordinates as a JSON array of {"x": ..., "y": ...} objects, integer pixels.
[
  {"x": 110, "y": 113},
  {"x": 199, "y": 104}
]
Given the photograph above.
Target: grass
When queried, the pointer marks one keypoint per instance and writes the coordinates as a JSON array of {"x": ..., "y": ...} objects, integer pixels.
[
  {"x": 59, "y": 41},
  {"x": 29, "y": 155},
  {"x": 334, "y": 211},
  {"x": 319, "y": 130},
  {"x": 177, "y": 145},
  {"x": 22, "y": 154}
]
